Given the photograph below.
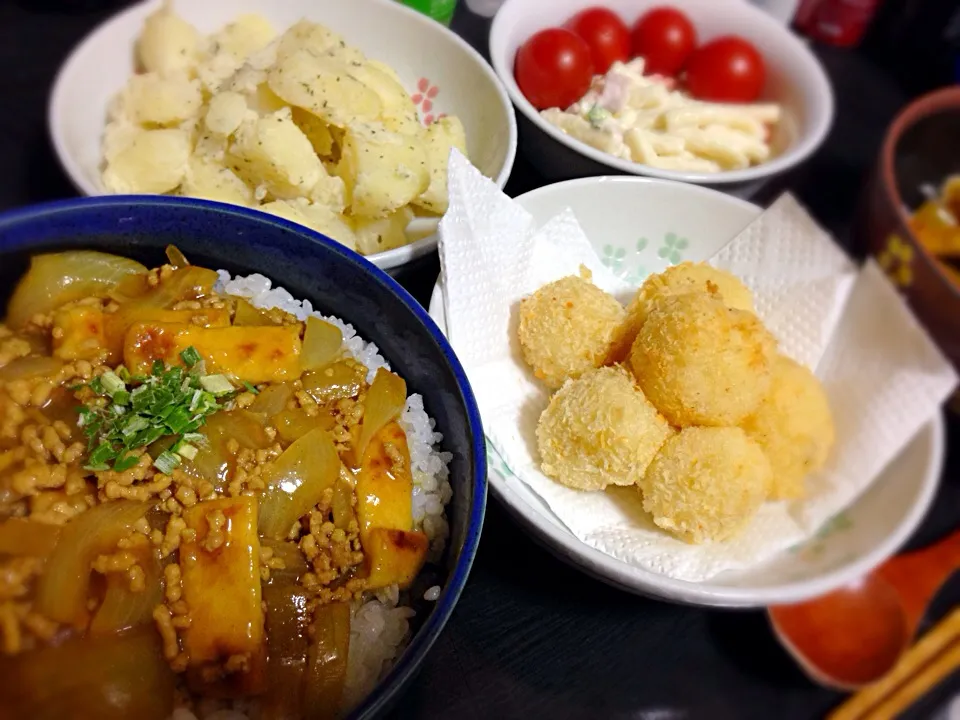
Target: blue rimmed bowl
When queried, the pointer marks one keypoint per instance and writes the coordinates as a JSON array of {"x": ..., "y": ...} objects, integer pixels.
[{"x": 338, "y": 282}]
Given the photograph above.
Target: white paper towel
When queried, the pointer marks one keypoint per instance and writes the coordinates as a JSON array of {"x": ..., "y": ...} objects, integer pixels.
[{"x": 884, "y": 376}]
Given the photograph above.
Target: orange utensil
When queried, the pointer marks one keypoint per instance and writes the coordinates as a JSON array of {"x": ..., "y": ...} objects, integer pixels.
[{"x": 855, "y": 635}]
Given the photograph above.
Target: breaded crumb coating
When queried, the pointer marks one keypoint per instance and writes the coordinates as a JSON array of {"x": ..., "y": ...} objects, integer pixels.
[
  {"x": 599, "y": 430},
  {"x": 678, "y": 280},
  {"x": 701, "y": 363},
  {"x": 567, "y": 328},
  {"x": 706, "y": 483},
  {"x": 794, "y": 427}
]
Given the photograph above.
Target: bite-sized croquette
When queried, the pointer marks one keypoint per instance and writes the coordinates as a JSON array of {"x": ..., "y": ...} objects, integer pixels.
[
  {"x": 599, "y": 430},
  {"x": 678, "y": 280},
  {"x": 793, "y": 426},
  {"x": 701, "y": 363},
  {"x": 567, "y": 328},
  {"x": 706, "y": 483}
]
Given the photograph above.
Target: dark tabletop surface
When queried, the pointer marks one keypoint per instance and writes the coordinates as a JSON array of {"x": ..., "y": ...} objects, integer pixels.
[{"x": 531, "y": 637}]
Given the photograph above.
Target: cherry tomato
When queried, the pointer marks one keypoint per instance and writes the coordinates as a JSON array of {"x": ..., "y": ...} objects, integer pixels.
[
  {"x": 554, "y": 68},
  {"x": 728, "y": 69},
  {"x": 605, "y": 33},
  {"x": 664, "y": 38}
]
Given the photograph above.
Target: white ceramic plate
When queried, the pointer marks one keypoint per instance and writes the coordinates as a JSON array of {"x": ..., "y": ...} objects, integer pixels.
[
  {"x": 795, "y": 80},
  {"x": 639, "y": 226},
  {"x": 438, "y": 67}
]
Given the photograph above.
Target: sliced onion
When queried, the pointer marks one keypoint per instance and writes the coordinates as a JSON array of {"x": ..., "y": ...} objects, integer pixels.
[
  {"x": 109, "y": 678},
  {"x": 288, "y": 622},
  {"x": 292, "y": 425},
  {"x": 186, "y": 283},
  {"x": 175, "y": 257},
  {"x": 384, "y": 402},
  {"x": 294, "y": 562},
  {"x": 272, "y": 399},
  {"x": 27, "y": 368},
  {"x": 25, "y": 537},
  {"x": 63, "y": 587},
  {"x": 296, "y": 482},
  {"x": 343, "y": 497},
  {"x": 59, "y": 278},
  {"x": 247, "y": 314},
  {"x": 335, "y": 382},
  {"x": 214, "y": 461},
  {"x": 124, "y": 608},
  {"x": 321, "y": 344},
  {"x": 327, "y": 661}
]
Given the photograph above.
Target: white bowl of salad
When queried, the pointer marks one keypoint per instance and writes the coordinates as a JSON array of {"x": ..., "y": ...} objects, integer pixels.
[{"x": 713, "y": 92}]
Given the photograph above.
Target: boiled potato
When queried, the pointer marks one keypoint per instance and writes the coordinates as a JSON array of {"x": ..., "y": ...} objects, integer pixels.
[
  {"x": 208, "y": 179},
  {"x": 225, "y": 112},
  {"x": 211, "y": 145},
  {"x": 377, "y": 235},
  {"x": 318, "y": 40},
  {"x": 326, "y": 87},
  {"x": 441, "y": 136},
  {"x": 251, "y": 83},
  {"x": 274, "y": 152},
  {"x": 154, "y": 162},
  {"x": 330, "y": 191},
  {"x": 244, "y": 36},
  {"x": 168, "y": 43},
  {"x": 117, "y": 137},
  {"x": 398, "y": 113},
  {"x": 315, "y": 129},
  {"x": 229, "y": 48},
  {"x": 301, "y": 125},
  {"x": 383, "y": 170},
  {"x": 318, "y": 217},
  {"x": 152, "y": 99}
]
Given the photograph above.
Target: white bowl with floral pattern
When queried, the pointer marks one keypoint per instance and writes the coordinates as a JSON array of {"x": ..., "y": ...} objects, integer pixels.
[
  {"x": 639, "y": 226},
  {"x": 443, "y": 74}
]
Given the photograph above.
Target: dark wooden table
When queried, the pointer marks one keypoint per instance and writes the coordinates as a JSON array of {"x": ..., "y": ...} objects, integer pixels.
[{"x": 532, "y": 638}]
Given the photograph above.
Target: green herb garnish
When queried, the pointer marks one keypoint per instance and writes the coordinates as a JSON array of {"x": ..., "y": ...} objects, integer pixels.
[
  {"x": 251, "y": 387},
  {"x": 596, "y": 115},
  {"x": 172, "y": 401}
]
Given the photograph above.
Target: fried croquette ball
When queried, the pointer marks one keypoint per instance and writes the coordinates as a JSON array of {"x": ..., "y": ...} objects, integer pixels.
[
  {"x": 567, "y": 328},
  {"x": 677, "y": 280},
  {"x": 701, "y": 363},
  {"x": 793, "y": 426},
  {"x": 706, "y": 483},
  {"x": 599, "y": 430}
]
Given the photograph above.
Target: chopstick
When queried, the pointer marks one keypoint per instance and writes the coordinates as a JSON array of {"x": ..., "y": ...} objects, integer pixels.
[{"x": 929, "y": 661}]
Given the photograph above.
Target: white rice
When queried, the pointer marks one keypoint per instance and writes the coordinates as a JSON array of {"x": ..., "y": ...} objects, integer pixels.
[{"x": 379, "y": 627}]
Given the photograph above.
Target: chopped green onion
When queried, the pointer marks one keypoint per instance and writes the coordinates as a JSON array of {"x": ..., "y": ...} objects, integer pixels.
[
  {"x": 166, "y": 462},
  {"x": 97, "y": 386},
  {"x": 190, "y": 356},
  {"x": 171, "y": 402},
  {"x": 126, "y": 461},
  {"x": 216, "y": 384},
  {"x": 187, "y": 450},
  {"x": 99, "y": 458},
  {"x": 251, "y": 387}
]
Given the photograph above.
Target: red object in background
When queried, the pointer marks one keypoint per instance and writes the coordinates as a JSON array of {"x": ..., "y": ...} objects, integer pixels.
[
  {"x": 605, "y": 33},
  {"x": 836, "y": 22}
]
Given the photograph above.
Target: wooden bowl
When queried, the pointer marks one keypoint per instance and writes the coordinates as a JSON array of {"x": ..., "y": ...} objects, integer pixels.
[{"x": 922, "y": 146}]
